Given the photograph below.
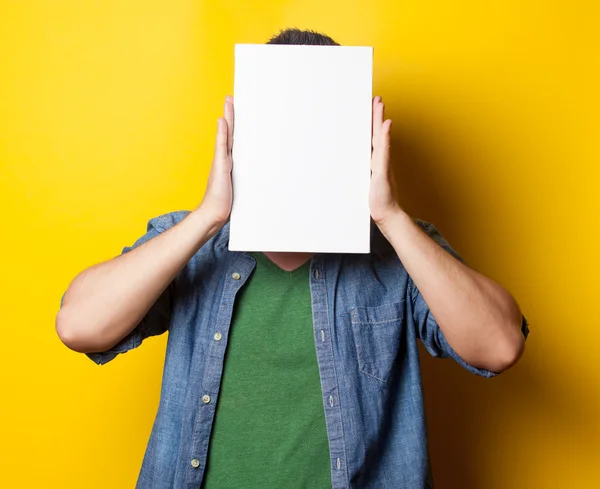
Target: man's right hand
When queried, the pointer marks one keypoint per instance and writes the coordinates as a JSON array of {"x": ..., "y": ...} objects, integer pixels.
[
  {"x": 105, "y": 302},
  {"x": 216, "y": 204}
]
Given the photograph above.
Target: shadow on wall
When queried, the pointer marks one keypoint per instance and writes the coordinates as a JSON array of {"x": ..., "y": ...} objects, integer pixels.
[
  {"x": 465, "y": 412},
  {"x": 465, "y": 415},
  {"x": 453, "y": 430}
]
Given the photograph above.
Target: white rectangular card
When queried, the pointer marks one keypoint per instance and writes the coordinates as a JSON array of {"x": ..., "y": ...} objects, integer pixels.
[{"x": 302, "y": 148}]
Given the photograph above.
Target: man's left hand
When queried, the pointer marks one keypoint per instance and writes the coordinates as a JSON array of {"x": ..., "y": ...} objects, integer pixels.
[{"x": 382, "y": 200}]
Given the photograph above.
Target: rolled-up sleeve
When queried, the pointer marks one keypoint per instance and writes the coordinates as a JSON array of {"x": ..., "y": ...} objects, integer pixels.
[{"x": 428, "y": 329}]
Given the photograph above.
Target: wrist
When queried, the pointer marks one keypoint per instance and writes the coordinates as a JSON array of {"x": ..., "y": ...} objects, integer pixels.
[
  {"x": 392, "y": 220},
  {"x": 207, "y": 221}
]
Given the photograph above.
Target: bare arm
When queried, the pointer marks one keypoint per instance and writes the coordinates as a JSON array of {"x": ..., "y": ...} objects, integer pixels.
[
  {"x": 105, "y": 302},
  {"x": 479, "y": 318}
]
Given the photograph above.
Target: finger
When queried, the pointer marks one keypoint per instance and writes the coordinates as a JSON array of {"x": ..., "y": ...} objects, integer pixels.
[
  {"x": 221, "y": 141},
  {"x": 377, "y": 117},
  {"x": 374, "y": 103},
  {"x": 229, "y": 117},
  {"x": 386, "y": 128},
  {"x": 380, "y": 161}
]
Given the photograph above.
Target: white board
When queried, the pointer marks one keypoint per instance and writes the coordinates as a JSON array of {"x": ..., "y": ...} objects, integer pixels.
[{"x": 302, "y": 148}]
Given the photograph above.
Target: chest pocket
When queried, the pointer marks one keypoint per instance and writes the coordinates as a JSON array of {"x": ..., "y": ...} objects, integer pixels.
[{"x": 378, "y": 334}]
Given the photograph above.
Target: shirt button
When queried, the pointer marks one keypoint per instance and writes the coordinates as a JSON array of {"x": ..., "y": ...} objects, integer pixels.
[
  {"x": 235, "y": 276},
  {"x": 316, "y": 274},
  {"x": 205, "y": 398},
  {"x": 218, "y": 336},
  {"x": 195, "y": 463}
]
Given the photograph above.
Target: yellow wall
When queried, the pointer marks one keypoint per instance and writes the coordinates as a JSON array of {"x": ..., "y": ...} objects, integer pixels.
[{"x": 107, "y": 116}]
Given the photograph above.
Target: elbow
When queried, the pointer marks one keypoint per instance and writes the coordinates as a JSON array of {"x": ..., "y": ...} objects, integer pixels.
[
  {"x": 72, "y": 336},
  {"x": 509, "y": 350},
  {"x": 67, "y": 333}
]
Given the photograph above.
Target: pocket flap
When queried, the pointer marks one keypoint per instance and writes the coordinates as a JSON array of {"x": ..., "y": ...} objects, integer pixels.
[{"x": 384, "y": 313}]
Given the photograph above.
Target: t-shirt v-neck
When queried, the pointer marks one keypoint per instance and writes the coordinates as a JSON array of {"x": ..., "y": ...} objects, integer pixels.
[
  {"x": 264, "y": 260},
  {"x": 269, "y": 430}
]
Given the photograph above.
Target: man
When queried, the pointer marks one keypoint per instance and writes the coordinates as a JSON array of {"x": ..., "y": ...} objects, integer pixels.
[{"x": 291, "y": 370}]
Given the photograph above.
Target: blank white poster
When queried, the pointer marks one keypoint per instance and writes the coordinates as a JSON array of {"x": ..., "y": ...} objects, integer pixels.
[{"x": 302, "y": 148}]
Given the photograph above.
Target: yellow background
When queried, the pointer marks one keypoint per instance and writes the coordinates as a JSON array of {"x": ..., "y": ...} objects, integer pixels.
[{"x": 107, "y": 117}]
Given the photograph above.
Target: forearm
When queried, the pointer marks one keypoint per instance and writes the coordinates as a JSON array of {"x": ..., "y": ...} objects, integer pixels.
[
  {"x": 105, "y": 302},
  {"x": 479, "y": 318}
]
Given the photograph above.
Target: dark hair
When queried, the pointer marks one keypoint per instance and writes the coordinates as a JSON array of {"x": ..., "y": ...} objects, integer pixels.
[{"x": 297, "y": 36}]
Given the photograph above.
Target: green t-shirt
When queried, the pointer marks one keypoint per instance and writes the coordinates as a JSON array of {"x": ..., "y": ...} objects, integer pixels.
[{"x": 269, "y": 429}]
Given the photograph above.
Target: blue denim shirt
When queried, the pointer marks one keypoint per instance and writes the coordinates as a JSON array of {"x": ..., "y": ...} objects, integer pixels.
[{"x": 367, "y": 318}]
